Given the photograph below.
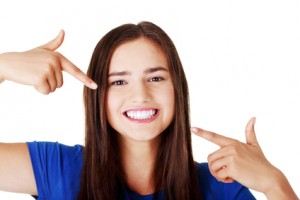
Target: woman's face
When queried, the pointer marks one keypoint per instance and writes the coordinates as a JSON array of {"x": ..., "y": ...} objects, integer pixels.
[{"x": 140, "y": 95}]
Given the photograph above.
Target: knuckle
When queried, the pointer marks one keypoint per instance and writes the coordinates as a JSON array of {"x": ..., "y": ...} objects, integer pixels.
[
  {"x": 53, "y": 86},
  {"x": 76, "y": 70},
  {"x": 50, "y": 58},
  {"x": 53, "y": 89},
  {"x": 40, "y": 80},
  {"x": 42, "y": 90},
  {"x": 234, "y": 149},
  {"x": 53, "y": 60},
  {"x": 57, "y": 55},
  {"x": 209, "y": 158},
  {"x": 59, "y": 84},
  {"x": 48, "y": 70},
  {"x": 213, "y": 136},
  {"x": 235, "y": 141}
]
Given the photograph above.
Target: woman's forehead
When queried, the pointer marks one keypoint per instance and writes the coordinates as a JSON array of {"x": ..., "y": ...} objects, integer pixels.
[{"x": 141, "y": 52}]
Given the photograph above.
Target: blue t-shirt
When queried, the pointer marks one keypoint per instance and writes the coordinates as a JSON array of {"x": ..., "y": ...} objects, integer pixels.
[{"x": 57, "y": 170}]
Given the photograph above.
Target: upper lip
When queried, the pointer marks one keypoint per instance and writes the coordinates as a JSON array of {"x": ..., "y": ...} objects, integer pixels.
[{"x": 140, "y": 109}]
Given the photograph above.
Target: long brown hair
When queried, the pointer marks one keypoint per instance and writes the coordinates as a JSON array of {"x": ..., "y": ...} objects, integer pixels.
[{"x": 102, "y": 173}]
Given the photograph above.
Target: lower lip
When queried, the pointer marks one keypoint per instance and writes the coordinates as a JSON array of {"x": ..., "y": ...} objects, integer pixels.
[{"x": 143, "y": 120}]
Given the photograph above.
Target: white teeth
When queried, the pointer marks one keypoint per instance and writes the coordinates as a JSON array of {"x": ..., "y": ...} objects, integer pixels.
[{"x": 142, "y": 114}]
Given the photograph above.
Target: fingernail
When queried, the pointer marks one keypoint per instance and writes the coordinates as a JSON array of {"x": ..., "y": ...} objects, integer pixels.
[
  {"x": 254, "y": 120},
  {"x": 194, "y": 130},
  {"x": 94, "y": 85}
]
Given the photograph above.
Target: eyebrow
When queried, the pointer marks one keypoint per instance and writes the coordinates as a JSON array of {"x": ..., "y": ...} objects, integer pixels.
[
  {"x": 147, "y": 71},
  {"x": 155, "y": 69},
  {"x": 122, "y": 73}
]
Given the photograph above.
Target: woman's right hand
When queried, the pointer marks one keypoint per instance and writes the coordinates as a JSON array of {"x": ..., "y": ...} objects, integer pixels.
[{"x": 41, "y": 67}]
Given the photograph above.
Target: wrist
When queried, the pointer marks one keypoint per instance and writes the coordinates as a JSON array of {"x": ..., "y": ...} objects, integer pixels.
[
  {"x": 3, "y": 66},
  {"x": 281, "y": 188}
]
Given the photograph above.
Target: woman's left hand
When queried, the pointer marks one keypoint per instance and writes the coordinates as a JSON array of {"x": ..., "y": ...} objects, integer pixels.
[{"x": 243, "y": 162}]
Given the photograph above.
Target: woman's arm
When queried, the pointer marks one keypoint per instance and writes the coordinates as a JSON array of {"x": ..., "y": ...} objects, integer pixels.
[
  {"x": 16, "y": 174},
  {"x": 281, "y": 188},
  {"x": 42, "y": 68},
  {"x": 246, "y": 163}
]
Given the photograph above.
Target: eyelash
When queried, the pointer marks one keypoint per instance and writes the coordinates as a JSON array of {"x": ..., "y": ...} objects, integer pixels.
[
  {"x": 159, "y": 79},
  {"x": 152, "y": 79},
  {"x": 118, "y": 82}
]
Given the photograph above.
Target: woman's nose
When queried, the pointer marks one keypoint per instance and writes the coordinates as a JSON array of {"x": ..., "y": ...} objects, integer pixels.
[{"x": 140, "y": 93}]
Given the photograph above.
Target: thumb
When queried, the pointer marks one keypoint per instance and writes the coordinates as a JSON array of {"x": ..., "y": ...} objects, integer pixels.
[
  {"x": 250, "y": 133},
  {"x": 55, "y": 43}
]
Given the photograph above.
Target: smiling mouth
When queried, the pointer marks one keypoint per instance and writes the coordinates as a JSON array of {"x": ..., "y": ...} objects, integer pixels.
[{"x": 141, "y": 114}]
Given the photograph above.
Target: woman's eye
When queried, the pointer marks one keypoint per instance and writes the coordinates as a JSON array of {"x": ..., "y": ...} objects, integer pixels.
[
  {"x": 118, "y": 83},
  {"x": 156, "y": 79}
]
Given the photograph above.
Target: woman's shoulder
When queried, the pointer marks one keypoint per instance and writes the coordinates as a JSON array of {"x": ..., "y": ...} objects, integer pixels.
[
  {"x": 51, "y": 144},
  {"x": 211, "y": 188},
  {"x": 57, "y": 169},
  {"x": 55, "y": 148},
  {"x": 56, "y": 152}
]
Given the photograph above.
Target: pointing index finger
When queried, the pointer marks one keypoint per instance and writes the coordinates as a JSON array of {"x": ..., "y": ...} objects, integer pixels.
[
  {"x": 215, "y": 138},
  {"x": 70, "y": 68}
]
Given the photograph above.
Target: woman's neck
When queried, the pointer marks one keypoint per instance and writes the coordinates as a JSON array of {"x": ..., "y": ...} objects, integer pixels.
[{"x": 138, "y": 159}]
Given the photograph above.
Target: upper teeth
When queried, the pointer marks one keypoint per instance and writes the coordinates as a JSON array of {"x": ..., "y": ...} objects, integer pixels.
[{"x": 142, "y": 114}]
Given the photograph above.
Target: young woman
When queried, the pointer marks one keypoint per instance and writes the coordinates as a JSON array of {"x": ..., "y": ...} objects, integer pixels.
[{"x": 138, "y": 140}]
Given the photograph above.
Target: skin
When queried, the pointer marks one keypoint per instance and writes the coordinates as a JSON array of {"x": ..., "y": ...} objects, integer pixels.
[
  {"x": 139, "y": 89},
  {"x": 42, "y": 68},
  {"x": 246, "y": 163},
  {"x": 138, "y": 80}
]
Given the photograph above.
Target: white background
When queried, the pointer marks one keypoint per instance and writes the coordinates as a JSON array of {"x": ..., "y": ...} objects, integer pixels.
[{"x": 241, "y": 59}]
